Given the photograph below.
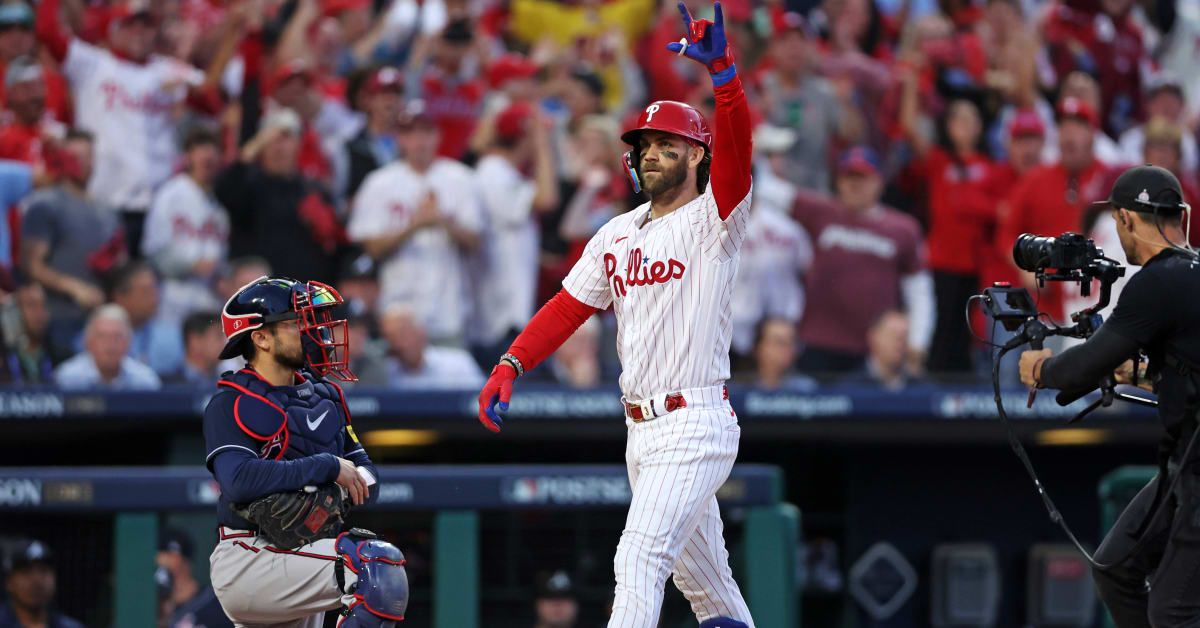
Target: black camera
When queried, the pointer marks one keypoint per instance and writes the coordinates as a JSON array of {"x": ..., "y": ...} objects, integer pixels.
[
  {"x": 1069, "y": 257},
  {"x": 1069, "y": 251}
]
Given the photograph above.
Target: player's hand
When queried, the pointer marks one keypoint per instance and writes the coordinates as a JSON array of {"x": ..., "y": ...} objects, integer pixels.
[
  {"x": 706, "y": 43},
  {"x": 1031, "y": 366},
  {"x": 86, "y": 295},
  {"x": 496, "y": 392},
  {"x": 349, "y": 479},
  {"x": 427, "y": 214}
]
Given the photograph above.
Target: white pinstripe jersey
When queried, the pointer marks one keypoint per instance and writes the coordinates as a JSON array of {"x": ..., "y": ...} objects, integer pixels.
[{"x": 670, "y": 281}]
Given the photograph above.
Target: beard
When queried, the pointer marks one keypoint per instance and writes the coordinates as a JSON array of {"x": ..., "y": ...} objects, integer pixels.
[
  {"x": 666, "y": 178},
  {"x": 289, "y": 356}
]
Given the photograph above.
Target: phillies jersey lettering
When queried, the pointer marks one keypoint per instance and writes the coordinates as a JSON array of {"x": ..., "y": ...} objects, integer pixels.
[
  {"x": 130, "y": 108},
  {"x": 116, "y": 97},
  {"x": 637, "y": 275},
  {"x": 672, "y": 294},
  {"x": 857, "y": 241}
]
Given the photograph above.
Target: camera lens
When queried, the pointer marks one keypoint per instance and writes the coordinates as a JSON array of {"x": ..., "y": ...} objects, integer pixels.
[{"x": 1031, "y": 252}]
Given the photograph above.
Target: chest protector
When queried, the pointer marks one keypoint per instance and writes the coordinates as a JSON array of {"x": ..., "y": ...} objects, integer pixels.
[{"x": 307, "y": 418}]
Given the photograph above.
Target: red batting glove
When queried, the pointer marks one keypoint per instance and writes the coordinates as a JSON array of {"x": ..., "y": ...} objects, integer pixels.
[{"x": 497, "y": 389}]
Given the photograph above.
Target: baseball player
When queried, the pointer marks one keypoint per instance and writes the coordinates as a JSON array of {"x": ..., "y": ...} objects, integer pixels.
[
  {"x": 281, "y": 447},
  {"x": 667, "y": 268}
]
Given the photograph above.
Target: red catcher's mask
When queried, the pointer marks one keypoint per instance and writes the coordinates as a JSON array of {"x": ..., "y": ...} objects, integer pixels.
[{"x": 324, "y": 332}]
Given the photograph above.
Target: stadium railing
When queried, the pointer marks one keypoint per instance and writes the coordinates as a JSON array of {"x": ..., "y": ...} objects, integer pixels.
[{"x": 456, "y": 494}]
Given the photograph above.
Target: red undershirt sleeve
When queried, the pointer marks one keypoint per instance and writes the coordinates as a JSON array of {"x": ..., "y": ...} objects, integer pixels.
[
  {"x": 549, "y": 328},
  {"x": 732, "y": 147}
]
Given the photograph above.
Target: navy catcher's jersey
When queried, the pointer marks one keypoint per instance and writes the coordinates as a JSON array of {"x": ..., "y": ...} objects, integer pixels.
[{"x": 262, "y": 439}]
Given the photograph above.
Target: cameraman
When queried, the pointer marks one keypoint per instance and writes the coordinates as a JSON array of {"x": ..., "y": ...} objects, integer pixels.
[{"x": 1157, "y": 312}]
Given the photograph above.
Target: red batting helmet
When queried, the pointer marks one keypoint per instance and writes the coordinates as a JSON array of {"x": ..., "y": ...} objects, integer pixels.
[{"x": 670, "y": 116}]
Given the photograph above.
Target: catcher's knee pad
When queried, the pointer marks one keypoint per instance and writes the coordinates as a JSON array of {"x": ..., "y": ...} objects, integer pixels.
[
  {"x": 723, "y": 622},
  {"x": 381, "y": 592}
]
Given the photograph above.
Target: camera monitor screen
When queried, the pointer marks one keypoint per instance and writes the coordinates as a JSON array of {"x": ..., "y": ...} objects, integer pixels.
[{"x": 1009, "y": 303}]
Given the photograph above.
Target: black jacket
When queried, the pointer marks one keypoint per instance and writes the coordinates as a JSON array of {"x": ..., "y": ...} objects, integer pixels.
[
  {"x": 361, "y": 162},
  {"x": 291, "y": 222},
  {"x": 1157, "y": 312}
]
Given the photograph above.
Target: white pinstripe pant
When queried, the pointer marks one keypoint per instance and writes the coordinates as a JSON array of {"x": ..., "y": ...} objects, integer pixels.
[{"x": 676, "y": 464}]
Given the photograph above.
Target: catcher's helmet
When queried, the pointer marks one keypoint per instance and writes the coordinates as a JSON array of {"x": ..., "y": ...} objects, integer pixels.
[
  {"x": 668, "y": 116},
  {"x": 317, "y": 308}
]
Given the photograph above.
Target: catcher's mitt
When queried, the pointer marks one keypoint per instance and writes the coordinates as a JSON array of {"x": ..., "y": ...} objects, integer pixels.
[{"x": 289, "y": 520}]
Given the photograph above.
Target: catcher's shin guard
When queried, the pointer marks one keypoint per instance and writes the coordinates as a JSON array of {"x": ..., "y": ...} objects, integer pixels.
[
  {"x": 723, "y": 622},
  {"x": 381, "y": 591}
]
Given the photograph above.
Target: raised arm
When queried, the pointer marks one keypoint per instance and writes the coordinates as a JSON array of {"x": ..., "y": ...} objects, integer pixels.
[
  {"x": 910, "y": 106},
  {"x": 50, "y": 30},
  {"x": 206, "y": 97},
  {"x": 732, "y": 146}
]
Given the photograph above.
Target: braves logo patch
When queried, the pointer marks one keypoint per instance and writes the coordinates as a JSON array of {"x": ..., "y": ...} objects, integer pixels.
[{"x": 272, "y": 449}]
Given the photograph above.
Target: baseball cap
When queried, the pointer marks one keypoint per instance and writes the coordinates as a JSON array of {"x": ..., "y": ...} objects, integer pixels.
[
  {"x": 385, "y": 78},
  {"x": 459, "y": 31},
  {"x": 135, "y": 10},
  {"x": 859, "y": 160},
  {"x": 556, "y": 584},
  {"x": 510, "y": 67},
  {"x": 175, "y": 540},
  {"x": 290, "y": 69},
  {"x": 16, "y": 13},
  {"x": 28, "y": 553},
  {"x": 22, "y": 70},
  {"x": 283, "y": 118},
  {"x": 333, "y": 8},
  {"x": 1072, "y": 107},
  {"x": 1145, "y": 189},
  {"x": 788, "y": 21},
  {"x": 1164, "y": 81},
  {"x": 358, "y": 267},
  {"x": 415, "y": 113},
  {"x": 1026, "y": 123},
  {"x": 512, "y": 122}
]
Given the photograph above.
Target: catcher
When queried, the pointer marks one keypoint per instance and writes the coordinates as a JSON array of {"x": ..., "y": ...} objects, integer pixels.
[{"x": 280, "y": 444}]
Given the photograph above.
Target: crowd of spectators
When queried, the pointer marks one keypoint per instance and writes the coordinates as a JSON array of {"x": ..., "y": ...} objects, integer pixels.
[{"x": 443, "y": 162}]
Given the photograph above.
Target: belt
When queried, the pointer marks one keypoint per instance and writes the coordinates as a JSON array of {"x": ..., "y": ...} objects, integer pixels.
[{"x": 666, "y": 403}]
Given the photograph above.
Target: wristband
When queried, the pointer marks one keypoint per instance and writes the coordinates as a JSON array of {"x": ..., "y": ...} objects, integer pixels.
[
  {"x": 514, "y": 362},
  {"x": 1037, "y": 372},
  {"x": 721, "y": 77}
]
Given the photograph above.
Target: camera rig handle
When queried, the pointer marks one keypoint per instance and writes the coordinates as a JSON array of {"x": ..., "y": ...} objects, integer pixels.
[{"x": 1035, "y": 331}]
